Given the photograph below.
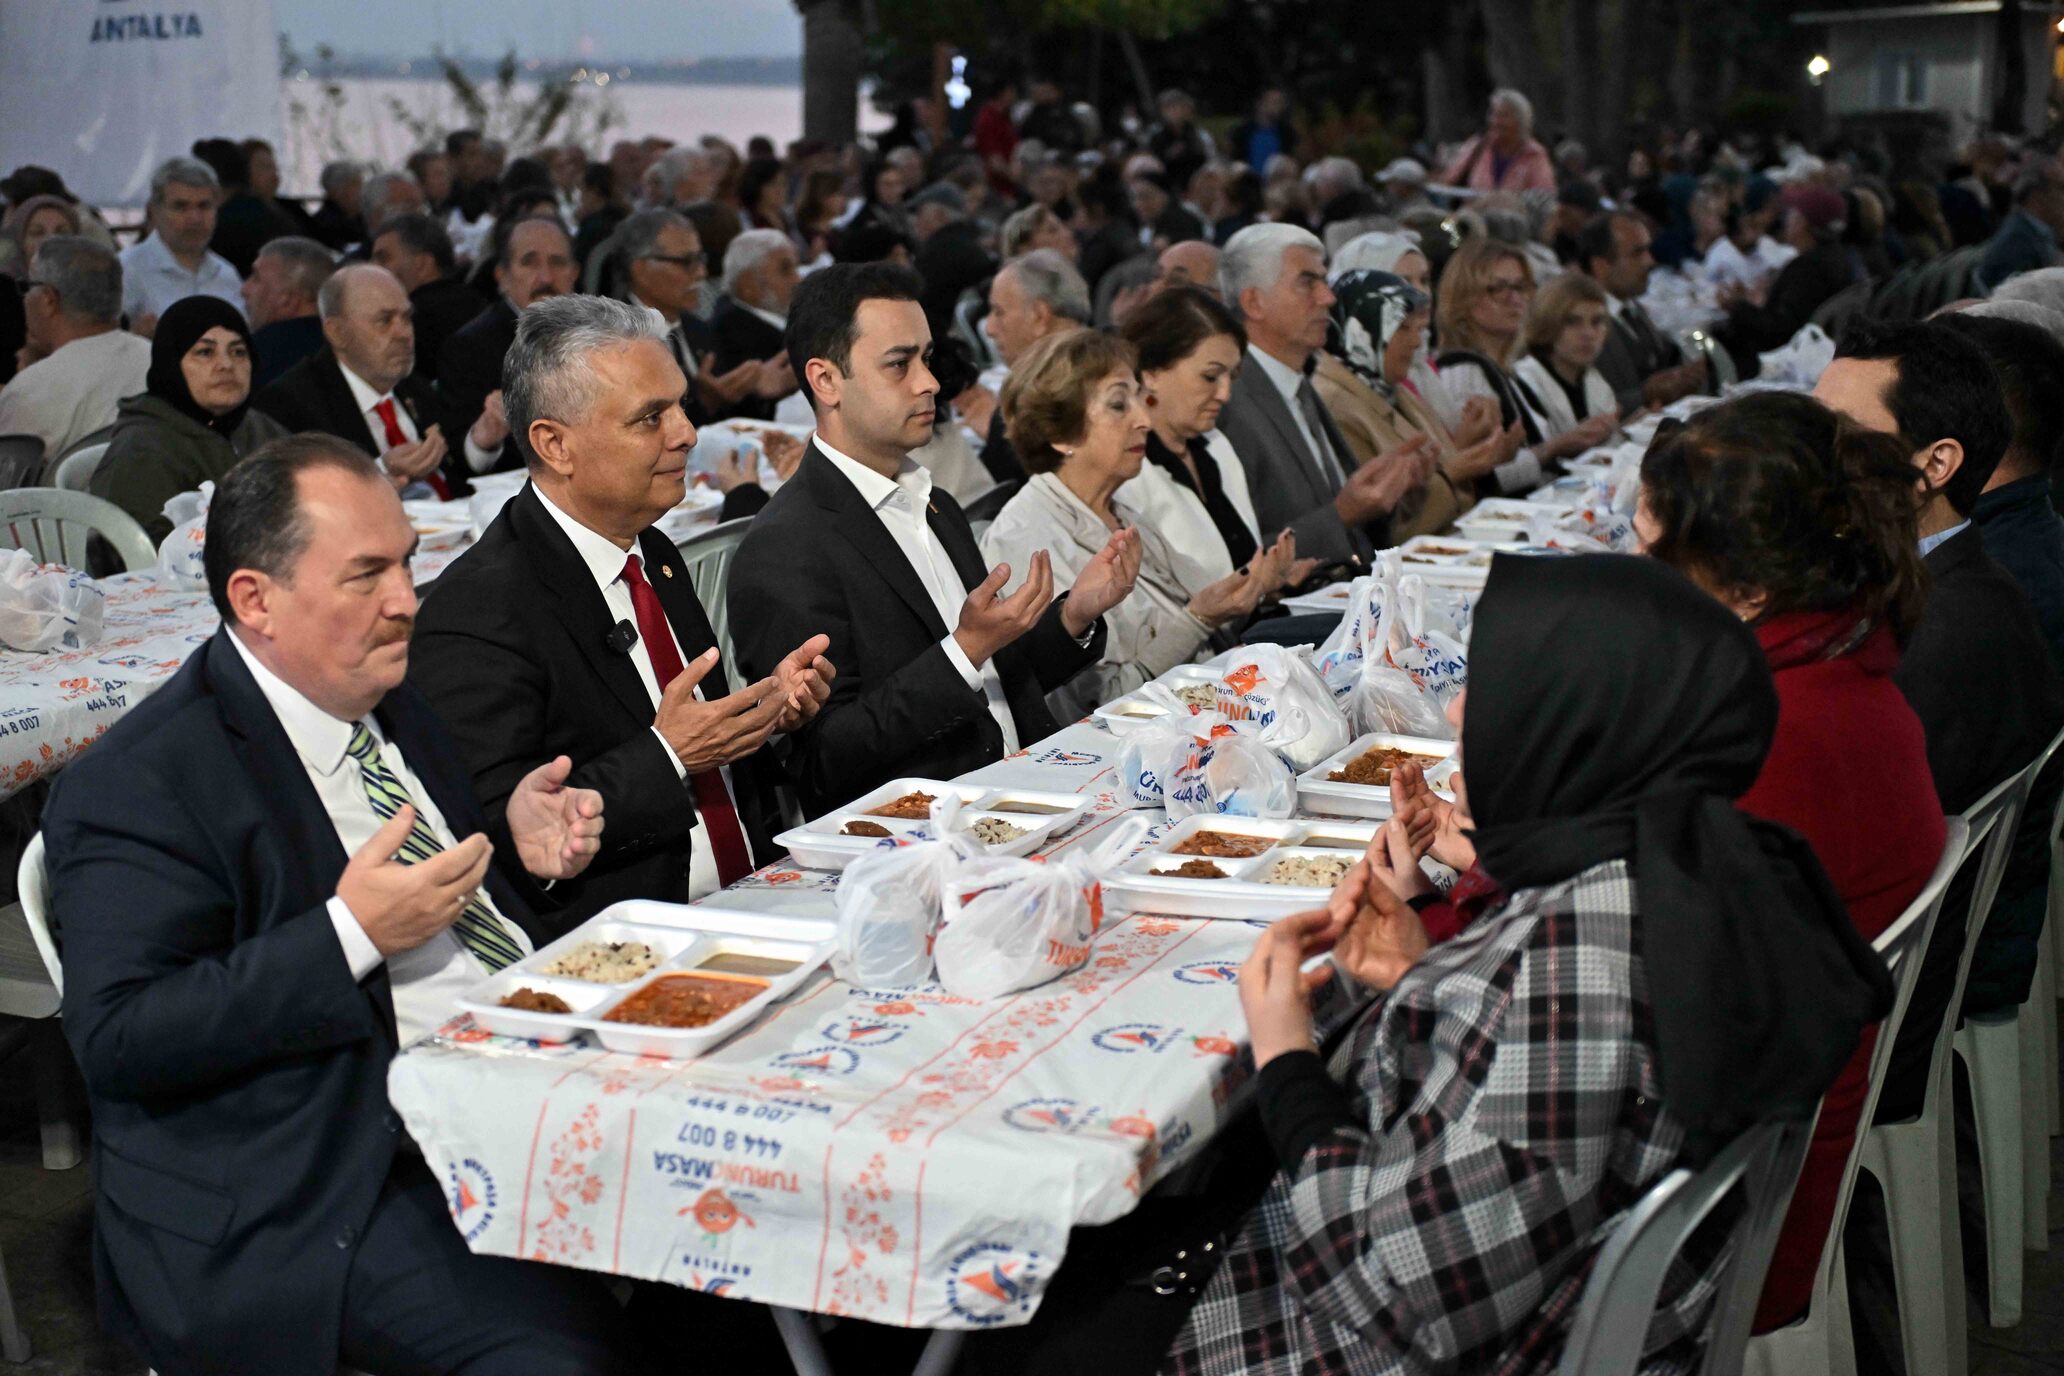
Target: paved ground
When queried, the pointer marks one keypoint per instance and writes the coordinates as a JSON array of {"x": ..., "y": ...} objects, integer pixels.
[{"x": 46, "y": 1223}]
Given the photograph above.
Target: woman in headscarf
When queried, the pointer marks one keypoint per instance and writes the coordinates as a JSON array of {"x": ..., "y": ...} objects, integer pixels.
[
  {"x": 1378, "y": 331},
  {"x": 192, "y": 421},
  {"x": 1399, "y": 252},
  {"x": 1634, "y": 972}
]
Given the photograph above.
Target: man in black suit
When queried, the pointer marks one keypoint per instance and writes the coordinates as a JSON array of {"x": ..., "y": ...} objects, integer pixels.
[
  {"x": 937, "y": 675},
  {"x": 268, "y": 877},
  {"x": 533, "y": 262},
  {"x": 1976, "y": 669},
  {"x": 362, "y": 388},
  {"x": 1644, "y": 365},
  {"x": 760, "y": 276},
  {"x": 279, "y": 301},
  {"x": 417, "y": 250},
  {"x": 571, "y": 627}
]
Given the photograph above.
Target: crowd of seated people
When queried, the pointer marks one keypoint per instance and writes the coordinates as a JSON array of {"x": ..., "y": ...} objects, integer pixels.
[{"x": 1079, "y": 411}]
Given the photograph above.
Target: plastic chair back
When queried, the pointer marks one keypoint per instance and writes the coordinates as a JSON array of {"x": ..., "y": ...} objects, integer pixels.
[
  {"x": 708, "y": 557},
  {"x": 33, "y": 883},
  {"x": 20, "y": 456},
  {"x": 75, "y": 470},
  {"x": 57, "y": 526}
]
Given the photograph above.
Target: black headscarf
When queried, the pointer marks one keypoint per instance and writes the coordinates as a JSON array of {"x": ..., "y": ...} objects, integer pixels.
[
  {"x": 179, "y": 329},
  {"x": 1615, "y": 710}
]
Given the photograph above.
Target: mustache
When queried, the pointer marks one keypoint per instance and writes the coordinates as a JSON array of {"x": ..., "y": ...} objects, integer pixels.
[{"x": 397, "y": 630}]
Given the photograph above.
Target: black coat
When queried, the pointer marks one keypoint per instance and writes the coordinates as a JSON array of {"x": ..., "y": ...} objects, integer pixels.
[
  {"x": 237, "y": 1072},
  {"x": 336, "y": 227},
  {"x": 470, "y": 366},
  {"x": 739, "y": 336},
  {"x": 442, "y": 308},
  {"x": 819, "y": 560},
  {"x": 313, "y": 395},
  {"x": 280, "y": 345},
  {"x": 951, "y": 261},
  {"x": 511, "y": 648}
]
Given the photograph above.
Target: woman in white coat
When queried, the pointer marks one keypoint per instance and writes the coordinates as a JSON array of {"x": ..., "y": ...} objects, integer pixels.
[{"x": 1565, "y": 333}]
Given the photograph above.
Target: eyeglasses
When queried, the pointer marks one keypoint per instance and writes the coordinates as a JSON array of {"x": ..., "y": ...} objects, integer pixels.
[{"x": 687, "y": 262}]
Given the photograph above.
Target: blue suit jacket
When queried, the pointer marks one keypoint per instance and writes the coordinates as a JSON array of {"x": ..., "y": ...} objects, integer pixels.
[{"x": 237, "y": 1072}]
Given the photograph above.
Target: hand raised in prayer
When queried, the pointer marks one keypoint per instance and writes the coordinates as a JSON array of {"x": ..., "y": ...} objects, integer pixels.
[
  {"x": 784, "y": 451},
  {"x": 776, "y": 379},
  {"x": 1235, "y": 596},
  {"x": 735, "y": 470},
  {"x": 1393, "y": 855},
  {"x": 411, "y": 463},
  {"x": 398, "y": 906},
  {"x": 493, "y": 426},
  {"x": 557, "y": 830},
  {"x": 1275, "y": 989},
  {"x": 1479, "y": 422},
  {"x": 704, "y": 735},
  {"x": 1381, "y": 935},
  {"x": 989, "y": 622},
  {"x": 976, "y": 407},
  {"x": 724, "y": 389},
  {"x": 1410, "y": 794},
  {"x": 805, "y": 677},
  {"x": 1104, "y": 582},
  {"x": 1377, "y": 487}
]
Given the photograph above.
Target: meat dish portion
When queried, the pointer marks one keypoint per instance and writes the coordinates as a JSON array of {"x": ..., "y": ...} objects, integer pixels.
[
  {"x": 686, "y": 1000},
  {"x": 911, "y": 807},
  {"x": 858, "y": 828},
  {"x": 1193, "y": 869},
  {"x": 1372, "y": 767},
  {"x": 1223, "y": 844},
  {"x": 534, "y": 1001}
]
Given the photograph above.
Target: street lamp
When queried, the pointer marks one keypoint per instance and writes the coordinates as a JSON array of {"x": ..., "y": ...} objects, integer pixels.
[{"x": 1818, "y": 68}]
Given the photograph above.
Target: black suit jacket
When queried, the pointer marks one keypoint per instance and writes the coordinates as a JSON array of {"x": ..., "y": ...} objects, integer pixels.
[
  {"x": 818, "y": 559},
  {"x": 1631, "y": 357},
  {"x": 442, "y": 308},
  {"x": 313, "y": 395},
  {"x": 1291, "y": 489},
  {"x": 280, "y": 345},
  {"x": 237, "y": 1072},
  {"x": 510, "y": 648},
  {"x": 950, "y": 262},
  {"x": 470, "y": 366},
  {"x": 740, "y": 337}
]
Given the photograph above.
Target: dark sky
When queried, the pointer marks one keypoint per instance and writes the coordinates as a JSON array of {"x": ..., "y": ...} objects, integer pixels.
[{"x": 612, "y": 29}]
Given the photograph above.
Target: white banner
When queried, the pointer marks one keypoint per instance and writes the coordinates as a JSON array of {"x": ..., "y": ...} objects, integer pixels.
[{"x": 102, "y": 91}]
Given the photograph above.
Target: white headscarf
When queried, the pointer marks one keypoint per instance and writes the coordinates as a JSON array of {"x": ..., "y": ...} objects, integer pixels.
[{"x": 1376, "y": 251}]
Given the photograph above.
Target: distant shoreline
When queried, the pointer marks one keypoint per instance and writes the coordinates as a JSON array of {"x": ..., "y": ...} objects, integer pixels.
[{"x": 707, "y": 71}]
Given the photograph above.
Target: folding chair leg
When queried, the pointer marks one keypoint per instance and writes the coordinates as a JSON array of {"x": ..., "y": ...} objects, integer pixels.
[
  {"x": 2045, "y": 999},
  {"x": 14, "y": 1344},
  {"x": 56, "y": 1102},
  {"x": 1914, "y": 1163},
  {"x": 2035, "y": 1136},
  {"x": 1992, "y": 1052}
]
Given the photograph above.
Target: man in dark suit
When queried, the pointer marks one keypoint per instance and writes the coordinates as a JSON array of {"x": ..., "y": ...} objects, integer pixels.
[
  {"x": 760, "y": 276},
  {"x": 361, "y": 388},
  {"x": 268, "y": 877},
  {"x": 533, "y": 261},
  {"x": 1644, "y": 365},
  {"x": 279, "y": 301},
  {"x": 951, "y": 257},
  {"x": 936, "y": 674},
  {"x": 1976, "y": 669},
  {"x": 1299, "y": 467},
  {"x": 417, "y": 250},
  {"x": 571, "y": 627}
]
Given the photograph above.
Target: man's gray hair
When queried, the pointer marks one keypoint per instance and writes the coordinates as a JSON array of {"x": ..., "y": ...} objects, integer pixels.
[
  {"x": 1522, "y": 109},
  {"x": 1254, "y": 257},
  {"x": 336, "y": 174},
  {"x": 2043, "y": 286},
  {"x": 546, "y": 374},
  {"x": 187, "y": 172},
  {"x": 372, "y": 200},
  {"x": 2045, "y": 318},
  {"x": 1044, "y": 275},
  {"x": 1334, "y": 176},
  {"x": 748, "y": 251},
  {"x": 669, "y": 167},
  {"x": 1018, "y": 230},
  {"x": 86, "y": 277},
  {"x": 329, "y": 301},
  {"x": 638, "y": 236},
  {"x": 308, "y": 263}
]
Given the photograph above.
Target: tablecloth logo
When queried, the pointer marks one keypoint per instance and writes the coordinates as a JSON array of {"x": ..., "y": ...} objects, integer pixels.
[
  {"x": 1128, "y": 1037},
  {"x": 1209, "y": 972},
  {"x": 865, "y": 1031},
  {"x": 989, "y": 1281},
  {"x": 821, "y": 1060},
  {"x": 124, "y": 661},
  {"x": 472, "y": 1197},
  {"x": 1075, "y": 758},
  {"x": 1049, "y": 1115}
]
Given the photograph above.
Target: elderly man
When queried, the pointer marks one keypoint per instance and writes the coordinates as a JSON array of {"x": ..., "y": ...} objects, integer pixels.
[
  {"x": 1506, "y": 156},
  {"x": 338, "y": 220},
  {"x": 417, "y": 250},
  {"x": 386, "y": 195},
  {"x": 270, "y": 876},
  {"x": 1030, "y": 298},
  {"x": 279, "y": 300},
  {"x": 1338, "y": 191},
  {"x": 1192, "y": 263},
  {"x": 571, "y": 627},
  {"x": 1298, "y": 464},
  {"x": 173, "y": 262},
  {"x": 362, "y": 388},
  {"x": 1644, "y": 366},
  {"x": 680, "y": 177},
  {"x": 533, "y": 262},
  {"x": 760, "y": 276},
  {"x": 937, "y": 675},
  {"x": 2027, "y": 238},
  {"x": 72, "y": 303}
]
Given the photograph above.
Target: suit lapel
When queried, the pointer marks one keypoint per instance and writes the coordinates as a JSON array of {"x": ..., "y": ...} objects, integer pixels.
[
  {"x": 338, "y": 401},
  {"x": 1270, "y": 403},
  {"x": 859, "y": 526},
  {"x": 576, "y": 600},
  {"x": 669, "y": 578}
]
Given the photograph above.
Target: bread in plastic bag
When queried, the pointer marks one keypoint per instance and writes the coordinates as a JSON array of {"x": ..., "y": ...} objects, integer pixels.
[
  {"x": 1227, "y": 769},
  {"x": 46, "y": 607},
  {"x": 1291, "y": 708},
  {"x": 180, "y": 556},
  {"x": 888, "y": 906},
  {"x": 1147, "y": 752},
  {"x": 1011, "y": 924}
]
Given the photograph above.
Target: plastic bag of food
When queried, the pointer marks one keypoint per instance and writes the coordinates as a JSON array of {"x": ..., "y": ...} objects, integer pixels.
[
  {"x": 1146, "y": 752},
  {"x": 1227, "y": 769},
  {"x": 1013, "y": 924},
  {"x": 1389, "y": 696},
  {"x": 180, "y": 557},
  {"x": 47, "y": 606},
  {"x": 1339, "y": 660},
  {"x": 889, "y": 902},
  {"x": 1290, "y": 706}
]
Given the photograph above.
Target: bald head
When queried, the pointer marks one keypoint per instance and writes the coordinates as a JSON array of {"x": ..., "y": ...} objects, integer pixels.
[
  {"x": 1190, "y": 263},
  {"x": 369, "y": 324}
]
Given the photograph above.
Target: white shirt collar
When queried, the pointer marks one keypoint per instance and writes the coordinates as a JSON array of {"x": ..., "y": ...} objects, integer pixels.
[
  {"x": 361, "y": 391},
  {"x": 600, "y": 553},
  {"x": 212, "y": 263},
  {"x": 912, "y": 478},
  {"x": 1616, "y": 306},
  {"x": 1286, "y": 378},
  {"x": 318, "y": 738},
  {"x": 779, "y": 322}
]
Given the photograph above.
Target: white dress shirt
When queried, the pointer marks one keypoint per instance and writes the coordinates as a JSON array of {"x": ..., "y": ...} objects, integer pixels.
[
  {"x": 368, "y": 401},
  {"x": 429, "y": 979},
  {"x": 66, "y": 397},
  {"x": 152, "y": 279},
  {"x": 1287, "y": 380},
  {"x": 606, "y": 565},
  {"x": 900, "y": 503},
  {"x": 779, "y": 322}
]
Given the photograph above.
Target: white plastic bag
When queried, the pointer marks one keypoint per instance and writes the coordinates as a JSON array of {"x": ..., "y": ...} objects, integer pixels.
[
  {"x": 1147, "y": 752},
  {"x": 1290, "y": 706},
  {"x": 1227, "y": 769},
  {"x": 47, "y": 606},
  {"x": 889, "y": 903},
  {"x": 1387, "y": 696},
  {"x": 180, "y": 557},
  {"x": 1011, "y": 924},
  {"x": 1339, "y": 660}
]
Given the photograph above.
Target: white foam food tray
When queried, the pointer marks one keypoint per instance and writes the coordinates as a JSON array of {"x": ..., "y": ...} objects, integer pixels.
[
  {"x": 1335, "y": 598},
  {"x": 1505, "y": 520},
  {"x": 1134, "y": 710},
  {"x": 822, "y": 843},
  {"x": 1447, "y": 560},
  {"x": 1316, "y": 792},
  {"x": 1244, "y": 893},
  {"x": 689, "y": 936}
]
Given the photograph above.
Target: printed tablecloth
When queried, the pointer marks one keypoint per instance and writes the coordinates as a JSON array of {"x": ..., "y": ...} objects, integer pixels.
[{"x": 901, "y": 1155}]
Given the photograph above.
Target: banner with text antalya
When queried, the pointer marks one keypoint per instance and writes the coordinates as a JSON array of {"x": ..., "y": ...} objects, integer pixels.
[{"x": 102, "y": 91}]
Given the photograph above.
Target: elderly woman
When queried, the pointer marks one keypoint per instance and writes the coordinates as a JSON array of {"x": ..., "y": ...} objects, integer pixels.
[
  {"x": 1505, "y": 156},
  {"x": 21, "y": 234},
  {"x": 192, "y": 421},
  {"x": 1077, "y": 416},
  {"x": 1565, "y": 334},
  {"x": 1378, "y": 330}
]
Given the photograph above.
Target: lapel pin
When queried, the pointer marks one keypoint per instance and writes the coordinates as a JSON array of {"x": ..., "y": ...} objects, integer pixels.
[{"x": 666, "y": 570}]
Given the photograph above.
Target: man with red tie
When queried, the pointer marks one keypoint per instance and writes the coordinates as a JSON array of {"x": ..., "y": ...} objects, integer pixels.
[{"x": 571, "y": 627}]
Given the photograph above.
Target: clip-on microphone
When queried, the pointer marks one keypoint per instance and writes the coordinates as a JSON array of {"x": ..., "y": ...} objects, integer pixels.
[{"x": 622, "y": 636}]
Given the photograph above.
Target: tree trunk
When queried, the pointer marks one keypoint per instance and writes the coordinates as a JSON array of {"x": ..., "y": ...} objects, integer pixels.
[
  {"x": 1510, "y": 49},
  {"x": 1141, "y": 82},
  {"x": 1580, "y": 70},
  {"x": 831, "y": 71},
  {"x": 2012, "y": 89},
  {"x": 1451, "y": 112}
]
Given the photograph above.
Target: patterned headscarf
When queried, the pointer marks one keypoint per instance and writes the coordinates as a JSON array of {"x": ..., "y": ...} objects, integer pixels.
[{"x": 1369, "y": 308}]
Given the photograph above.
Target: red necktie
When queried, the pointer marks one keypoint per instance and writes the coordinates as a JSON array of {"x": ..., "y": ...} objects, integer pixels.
[
  {"x": 384, "y": 409},
  {"x": 712, "y": 801}
]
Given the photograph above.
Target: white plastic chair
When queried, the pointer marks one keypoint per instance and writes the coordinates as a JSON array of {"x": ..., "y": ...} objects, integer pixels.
[
  {"x": 708, "y": 556},
  {"x": 75, "y": 470},
  {"x": 56, "y": 527},
  {"x": 20, "y": 457},
  {"x": 1822, "y": 1341}
]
